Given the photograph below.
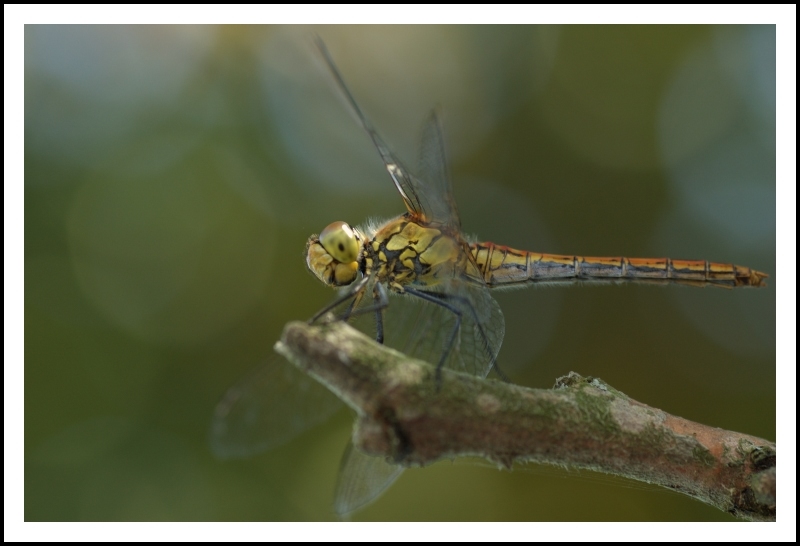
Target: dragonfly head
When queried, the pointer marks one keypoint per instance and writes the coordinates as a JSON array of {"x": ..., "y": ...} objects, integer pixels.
[{"x": 333, "y": 256}]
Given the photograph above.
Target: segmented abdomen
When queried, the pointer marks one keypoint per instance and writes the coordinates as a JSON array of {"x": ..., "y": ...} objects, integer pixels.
[{"x": 503, "y": 266}]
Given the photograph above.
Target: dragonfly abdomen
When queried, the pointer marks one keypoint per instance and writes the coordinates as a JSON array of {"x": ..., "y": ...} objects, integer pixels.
[{"x": 502, "y": 266}]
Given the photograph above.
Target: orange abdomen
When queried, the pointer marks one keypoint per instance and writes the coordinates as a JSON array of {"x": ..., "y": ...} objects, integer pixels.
[{"x": 502, "y": 266}]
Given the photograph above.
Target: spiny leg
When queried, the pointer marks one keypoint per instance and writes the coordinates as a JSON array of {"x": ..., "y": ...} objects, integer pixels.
[
  {"x": 436, "y": 299},
  {"x": 355, "y": 293},
  {"x": 381, "y": 302},
  {"x": 352, "y": 305},
  {"x": 441, "y": 298},
  {"x": 485, "y": 338}
]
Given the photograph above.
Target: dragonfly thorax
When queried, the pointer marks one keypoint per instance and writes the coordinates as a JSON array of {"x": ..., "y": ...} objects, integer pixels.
[{"x": 404, "y": 252}]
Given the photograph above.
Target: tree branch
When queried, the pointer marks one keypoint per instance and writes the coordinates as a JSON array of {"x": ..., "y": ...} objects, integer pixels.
[{"x": 580, "y": 423}]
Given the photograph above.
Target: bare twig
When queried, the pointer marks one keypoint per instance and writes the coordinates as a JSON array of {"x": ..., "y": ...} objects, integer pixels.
[{"x": 581, "y": 423}]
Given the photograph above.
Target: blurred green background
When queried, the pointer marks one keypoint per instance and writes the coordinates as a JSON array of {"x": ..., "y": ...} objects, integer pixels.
[{"x": 173, "y": 174}]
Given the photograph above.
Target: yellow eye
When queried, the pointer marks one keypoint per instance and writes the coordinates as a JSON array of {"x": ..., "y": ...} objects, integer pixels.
[{"x": 339, "y": 240}]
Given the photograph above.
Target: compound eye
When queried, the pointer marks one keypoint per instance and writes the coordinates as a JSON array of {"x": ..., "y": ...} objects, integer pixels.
[{"x": 339, "y": 240}]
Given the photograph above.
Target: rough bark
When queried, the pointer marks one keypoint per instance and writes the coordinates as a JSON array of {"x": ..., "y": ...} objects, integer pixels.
[{"x": 580, "y": 423}]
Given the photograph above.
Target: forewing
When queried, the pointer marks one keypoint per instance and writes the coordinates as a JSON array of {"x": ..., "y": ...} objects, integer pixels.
[
  {"x": 434, "y": 185},
  {"x": 268, "y": 407},
  {"x": 428, "y": 194},
  {"x": 401, "y": 176}
]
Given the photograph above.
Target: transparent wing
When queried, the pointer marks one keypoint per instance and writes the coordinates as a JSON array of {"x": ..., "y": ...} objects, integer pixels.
[
  {"x": 268, "y": 407},
  {"x": 423, "y": 329},
  {"x": 421, "y": 200},
  {"x": 434, "y": 185},
  {"x": 273, "y": 403},
  {"x": 361, "y": 480}
]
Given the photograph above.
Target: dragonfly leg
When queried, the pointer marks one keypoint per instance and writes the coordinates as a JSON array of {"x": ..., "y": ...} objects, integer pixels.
[
  {"x": 355, "y": 294},
  {"x": 441, "y": 299},
  {"x": 487, "y": 344},
  {"x": 379, "y": 326},
  {"x": 381, "y": 301},
  {"x": 438, "y": 299},
  {"x": 350, "y": 307}
]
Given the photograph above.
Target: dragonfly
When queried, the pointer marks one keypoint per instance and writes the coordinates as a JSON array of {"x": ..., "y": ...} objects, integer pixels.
[{"x": 445, "y": 312}]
